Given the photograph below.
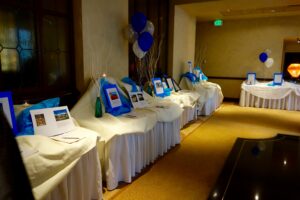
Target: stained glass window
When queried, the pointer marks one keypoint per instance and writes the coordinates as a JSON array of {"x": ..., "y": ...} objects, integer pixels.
[{"x": 35, "y": 40}]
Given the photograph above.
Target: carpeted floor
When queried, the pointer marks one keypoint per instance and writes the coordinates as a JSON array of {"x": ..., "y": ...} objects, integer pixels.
[{"x": 190, "y": 170}]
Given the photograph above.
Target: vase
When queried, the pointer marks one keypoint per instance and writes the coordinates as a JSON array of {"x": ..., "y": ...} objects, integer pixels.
[{"x": 98, "y": 108}]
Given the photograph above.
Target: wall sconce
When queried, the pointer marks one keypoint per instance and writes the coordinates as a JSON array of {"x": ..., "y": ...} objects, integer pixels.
[
  {"x": 294, "y": 70},
  {"x": 298, "y": 40}
]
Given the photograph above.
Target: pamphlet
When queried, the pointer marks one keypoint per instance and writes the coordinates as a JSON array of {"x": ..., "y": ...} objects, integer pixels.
[{"x": 52, "y": 121}]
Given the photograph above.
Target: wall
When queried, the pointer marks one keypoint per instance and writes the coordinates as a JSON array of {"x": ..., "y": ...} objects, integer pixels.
[
  {"x": 233, "y": 49},
  {"x": 183, "y": 41},
  {"x": 104, "y": 47}
]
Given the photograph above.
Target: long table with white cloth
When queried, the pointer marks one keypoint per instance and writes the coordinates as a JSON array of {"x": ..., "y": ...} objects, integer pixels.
[
  {"x": 58, "y": 170},
  {"x": 267, "y": 95},
  {"x": 131, "y": 141}
]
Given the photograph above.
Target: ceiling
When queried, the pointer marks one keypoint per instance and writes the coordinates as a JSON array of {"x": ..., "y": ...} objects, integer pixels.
[{"x": 240, "y": 9}]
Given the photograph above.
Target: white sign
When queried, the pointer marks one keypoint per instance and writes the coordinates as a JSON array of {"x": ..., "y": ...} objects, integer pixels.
[
  {"x": 52, "y": 121},
  {"x": 137, "y": 99},
  {"x": 170, "y": 83},
  {"x": 113, "y": 97},
  {"x": 251, "y": 78}
]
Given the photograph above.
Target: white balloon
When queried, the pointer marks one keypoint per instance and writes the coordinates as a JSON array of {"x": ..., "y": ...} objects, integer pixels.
[
  {"x": 130, "y": 34},
  {"x": 149, "y": 27},
  {"x": 269, "y": 62},
  {"x": 268, "y": 52},
  {"x": 137, "y": 50}
]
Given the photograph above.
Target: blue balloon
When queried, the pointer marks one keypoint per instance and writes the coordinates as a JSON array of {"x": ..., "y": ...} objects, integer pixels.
[
  {"x": 145, "y": 41},
  {"x": 263, "y": 57},
  {"x": 138, "y": 21}
]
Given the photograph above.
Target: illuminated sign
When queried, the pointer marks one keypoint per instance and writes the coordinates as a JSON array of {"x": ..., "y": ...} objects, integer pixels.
[{"x": 218, "y": 22}]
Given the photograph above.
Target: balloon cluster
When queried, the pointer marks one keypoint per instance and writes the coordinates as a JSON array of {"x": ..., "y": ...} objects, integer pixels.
[
  {"x": 264, "y": 58},
  {"x": 140, "y": 33}
]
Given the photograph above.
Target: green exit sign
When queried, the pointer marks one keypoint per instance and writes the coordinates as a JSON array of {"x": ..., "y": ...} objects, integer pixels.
[{"x": 218, "y": 22}]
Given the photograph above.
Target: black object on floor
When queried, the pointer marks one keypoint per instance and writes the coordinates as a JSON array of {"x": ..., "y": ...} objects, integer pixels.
[
  {"x": 14, "y": 182},
  {"x": 260, "y": 169}
]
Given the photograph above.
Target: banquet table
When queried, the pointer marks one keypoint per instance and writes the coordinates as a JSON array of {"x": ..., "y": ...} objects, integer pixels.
[
  {"x": 211, "y": 95},
  {"x": 131, "y": 141},
  {"x": 59, "y": 170},
  {"x": 267, "y": 95}
]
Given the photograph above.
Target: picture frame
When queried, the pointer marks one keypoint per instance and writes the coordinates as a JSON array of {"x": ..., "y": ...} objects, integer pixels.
[
  {"x": 7, "y": 107},
  {"x": 137, "y": 99},
  {"x": 170, "y": 83},
  {"x": 251, "y": 78},
  {"x": 165, "y": 86},
  {"x": 176, "y": 86},
  {"x": 52, "y": 121},
  {"x": 277, "y": 78},
  {"x": 158, "y": 87},
  {"x": 197, "y": 72},
  {"x": 112, "y": 96}
]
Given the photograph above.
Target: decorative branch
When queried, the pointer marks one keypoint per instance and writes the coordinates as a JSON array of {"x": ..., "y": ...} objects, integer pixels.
[{"x": 200, "y": 57}]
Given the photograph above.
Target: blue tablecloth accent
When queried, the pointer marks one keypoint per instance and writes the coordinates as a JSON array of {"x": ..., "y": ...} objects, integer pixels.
[
  {"x": 192, "y": 77},
  {"x": 130, "y": 82},
  {"x": 24, "y": 121},
  {"x": 202, "y": 76}
]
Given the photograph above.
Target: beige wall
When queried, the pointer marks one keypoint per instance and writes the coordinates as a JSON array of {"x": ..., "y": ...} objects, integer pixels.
[
  {"x": 184, "y": 41},
  {"x": 105, "y": 50},
  {"x": 233, "y": 49}
]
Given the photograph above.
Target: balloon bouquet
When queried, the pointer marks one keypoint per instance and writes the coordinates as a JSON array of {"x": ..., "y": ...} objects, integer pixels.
[
  {"x": 264, "y": 58},
  {"x": 140, "y": 33}
]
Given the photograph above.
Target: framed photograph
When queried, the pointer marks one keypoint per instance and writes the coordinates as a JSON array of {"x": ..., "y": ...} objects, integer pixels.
[
  {"x": 277, "y": 79},
  {"x": 52, "y": 121},
  {"x": 164, "y": 85},
  {"x": 158, "y": 87},
  {"x": 113, "y": 96},
  {"x": 176, "y": 86},
  {"x": 137, "y": 99},
  {"x": 197, "y": 72},
  {"x": 251, "y": 78},
  {"x": 170, "y": 83},
  {"x": 7, "y": 107}
]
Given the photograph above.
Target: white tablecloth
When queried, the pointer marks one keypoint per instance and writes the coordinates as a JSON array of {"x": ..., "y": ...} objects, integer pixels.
[
  {"x": 58, "y": 170},
  {"x": 129, "y": 144},
  {"x": 211, "y": 95},
  {"x": 186, "y": 99},
  {"x": 265, "y": 95}
]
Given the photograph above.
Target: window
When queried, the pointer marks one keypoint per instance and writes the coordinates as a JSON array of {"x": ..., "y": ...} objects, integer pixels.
[{"x": 36, "y": 47}]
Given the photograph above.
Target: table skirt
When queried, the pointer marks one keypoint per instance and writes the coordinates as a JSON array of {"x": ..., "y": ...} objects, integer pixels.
[
  {"x": 126, "y": 155},
  {"x": 189, "y": 114},
  {"x": 290, "y": 102},
  {"x": 211, "y": 105},
  {"x": 83, "y": 182}
]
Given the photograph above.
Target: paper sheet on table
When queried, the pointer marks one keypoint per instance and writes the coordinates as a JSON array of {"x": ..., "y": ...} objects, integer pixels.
[{"x": 67, "y": 138}]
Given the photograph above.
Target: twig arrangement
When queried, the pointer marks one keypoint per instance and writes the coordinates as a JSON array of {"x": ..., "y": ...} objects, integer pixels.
[
  {"x": 147, "y": 66},
  {"x": 200, "y": 57}
]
